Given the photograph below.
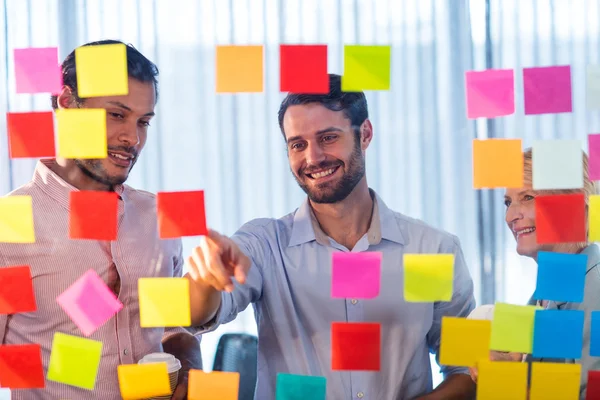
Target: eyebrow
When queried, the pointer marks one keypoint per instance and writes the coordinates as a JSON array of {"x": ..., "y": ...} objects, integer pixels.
[
  {"x": 322, "y": 131},
  {"x": 123, "y": 106}
]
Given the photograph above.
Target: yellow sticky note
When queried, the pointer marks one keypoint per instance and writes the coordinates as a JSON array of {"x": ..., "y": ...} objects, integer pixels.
[
  {"x": 501, "y": 380},
  {"x": 81, "y": 133},
  {"x": 554, "y": 381},
  {"x": 141, "y": 381},
  {"x": 497, "y": 163},
  {"x": 74, "y": 361},
  {"x": 458, "y": 331},
  {"x": 366, "y": 68},
  {"x": 594, "y": 218},
  {"x": 213, "y": 385},
  {"x": 239, "y": 69},
  {"x": 164, "y": 302},
  {"x": 428, "y": 277},
  {"x": 512, "y": 328},
  {"x": 102, "y": 70},
  {"x": 16, "y": 220}
]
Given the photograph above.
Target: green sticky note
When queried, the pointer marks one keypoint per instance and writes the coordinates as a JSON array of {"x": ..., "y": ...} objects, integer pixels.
[
  {"x": 512, "y": 328},
  {"x": 300, "y": 387},
  {"x": 428, "y": 277},
  {"x": 366, "y": 68},
  {"x": 74, "y": 361}
]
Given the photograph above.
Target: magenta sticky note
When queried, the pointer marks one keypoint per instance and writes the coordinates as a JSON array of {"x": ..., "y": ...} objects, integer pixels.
[
  {"x": 490, "y": 93},
  {"x": 89, "y": 302},
  {"x": 594, "y": 156},
  {"x": 356, "y": 275},
  {"x": 37, "y": 70},
  {"x": 547, "y": 90}
]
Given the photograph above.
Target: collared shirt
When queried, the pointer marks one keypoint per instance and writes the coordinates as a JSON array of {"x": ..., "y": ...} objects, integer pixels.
[
  {"x": 57, "y": 262},
  {"x": 289, "y": 285}
]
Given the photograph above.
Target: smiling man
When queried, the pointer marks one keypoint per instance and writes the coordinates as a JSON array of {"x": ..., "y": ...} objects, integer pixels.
[
  {"x": 283, "y": 266},
  {"x": 57, "y": 262}
]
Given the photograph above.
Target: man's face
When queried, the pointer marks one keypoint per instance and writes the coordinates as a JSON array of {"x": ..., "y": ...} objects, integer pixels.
[
  {"x": 325, "y": 157},
  {"x": 127, "y": 121}
]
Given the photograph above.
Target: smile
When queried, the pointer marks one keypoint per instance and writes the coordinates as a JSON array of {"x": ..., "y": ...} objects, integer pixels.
[
  {"x": 121, "y": 160},
  {"x": 524, "y": 231},
  {"x": 322, "y": 174}
]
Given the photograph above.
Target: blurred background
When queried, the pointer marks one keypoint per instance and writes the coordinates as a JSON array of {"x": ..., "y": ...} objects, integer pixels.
[{"x": 230, "y": 146}]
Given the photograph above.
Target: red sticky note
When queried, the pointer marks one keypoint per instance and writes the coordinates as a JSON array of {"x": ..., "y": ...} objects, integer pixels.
[
  {"x": 93, "y": 215},
  {"x": 594, "y": 156},
  {"x": 181, "y": 214},
  {"x": 560, "y": 218},
  {"x": 547, "y": 90},
  {"x": 16, "y": 290},
  {"x": 303, "y": 69},
  {"x": 490, "y": 93},
  {"x": 355, "y": 346},
  {"x": 30, "y": 134},
  {"x": 21, "y": 366},
  {"x": 37, "y": 70},
  {"x": 593, "y": 385}
]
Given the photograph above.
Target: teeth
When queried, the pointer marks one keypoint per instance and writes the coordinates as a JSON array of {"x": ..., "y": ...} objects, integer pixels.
[
  {"x": 119, "y": 156},
  {"x": 324, "y": 173},
  {"x": 526, "y": 230}
]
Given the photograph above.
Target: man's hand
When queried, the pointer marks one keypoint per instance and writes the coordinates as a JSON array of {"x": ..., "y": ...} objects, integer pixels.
[
  {"x": 497, "y": 356},
  {"x": 181, "y": 390}
]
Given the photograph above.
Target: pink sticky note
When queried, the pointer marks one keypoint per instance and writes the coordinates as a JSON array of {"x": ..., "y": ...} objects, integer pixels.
[
  {"x": 594, "y": 156},
  {"x": 547, "y": 90},
  {"x": 490, "y": 93},
  {"x": 37, "y": 70},
  {"x": 89, "y": 302},
  {"x": 356, "y": 275}
]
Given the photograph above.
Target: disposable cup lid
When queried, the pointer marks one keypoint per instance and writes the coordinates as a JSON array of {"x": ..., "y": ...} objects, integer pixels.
[{"x": 173, "y": 364}]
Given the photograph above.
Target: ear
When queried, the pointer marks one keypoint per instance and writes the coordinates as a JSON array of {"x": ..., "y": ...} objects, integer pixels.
[
  {"x": 66, "y": 98},
  {"x": 366, "y": 134}
]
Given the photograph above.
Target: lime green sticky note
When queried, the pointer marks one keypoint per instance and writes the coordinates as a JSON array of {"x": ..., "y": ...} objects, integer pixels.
[
  {"x": 74, "y": 361},
  {"x": 102, "y": 70},
  {"x": 143, "y": 381},
  {"x": 164, "y": 302},
  {"x": 81, "y": 133},
  {"x": 512, "y": 328},
  {"x": 428, "y": 277},
  {"x": 594, "y": 218},
  {"x": 16, "y": 220},
  {"x": 366, "y": 68}
]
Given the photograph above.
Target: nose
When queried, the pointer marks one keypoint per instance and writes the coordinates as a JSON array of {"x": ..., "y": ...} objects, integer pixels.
[
  {"x": 314, "y": 154},
  {"x": 130, "y": 135},
  {"x": 513, "y": 214}
]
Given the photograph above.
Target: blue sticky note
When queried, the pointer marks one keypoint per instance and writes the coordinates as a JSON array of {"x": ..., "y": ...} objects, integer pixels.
[
  {"x": 300, "y": 387},
  {"x": 561, "y": 277},
  {"x": 558, "y": 333},
  {"x": 595, "y": 335}
]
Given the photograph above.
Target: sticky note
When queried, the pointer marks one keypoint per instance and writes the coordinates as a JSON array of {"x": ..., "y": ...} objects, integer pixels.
[
  {"x": 303, "y": 69},
  {"x": 593, "y": 385},
  {"x": 490, "y": 93},
  {"x": 30, "y": 134},
  {"x": 592, "y": 89},
  {"x": 547, "y": 90},
  {"x": 181, "y": 214},
  {"x": 366, "y": 68},
  {"x": 214, "y": 385},
  {"x": 501, "y": 380},
  {"x": 560, "y": 276},
  {"x": 356, "y": 275},
  {"x": 557, "y": 164},
  {"x": 93, "y": 215},
  {"x": 141, "y": 381},
  {"x": 16, "y": 220},
  {"x": 428, "y": 277},
  {"x": 560, "y": 218},
  {"x": 239, "y": 69},
  {"x": 566, "y": 340},
  {"x": 16, "y": 290},
  {"x": 164, "y": 302},
  {"x": 595, "y": 334},
  {"x": 300, "y": 387},
  {"x": 355, "y": 346},
  {"x": 89, "y": 302},
  {"x": 74, "y": 361},
  {"x": 512, "y": 328},
  {"x": 37, "y": 70},
  {"x": 594, "y": 156},
  {"x": 497, "y": 163},
  {"x": 81, "y": 133},
  {"x": 458, "y": 331},
  {"x": 102, "y": 70},
  {"x": 21, "y": 366},
  {"x": 594, "y": 217},
  {"x": 554, "y": 381}
]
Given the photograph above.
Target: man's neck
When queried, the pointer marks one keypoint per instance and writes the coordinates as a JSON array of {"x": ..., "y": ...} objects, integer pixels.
[
  {"x": 69, "y": 172},
  {"x": 347, "y": 221}
]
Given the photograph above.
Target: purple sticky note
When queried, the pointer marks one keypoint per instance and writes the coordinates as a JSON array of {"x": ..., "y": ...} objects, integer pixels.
[
  {"x": 490, "y": 93},
  {"x": 37, "y": 70},
  {"x": 89, "y": 302},
  {"x": 547, "y": 90},
  {"x": 356, "y": 275},
  {"x": 594, "y": 156}
]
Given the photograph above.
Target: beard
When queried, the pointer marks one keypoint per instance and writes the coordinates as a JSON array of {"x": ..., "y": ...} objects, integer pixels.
[{"x": 94, "y": 169}]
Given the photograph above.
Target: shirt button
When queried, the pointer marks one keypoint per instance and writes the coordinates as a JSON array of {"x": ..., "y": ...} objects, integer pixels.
[
  {"x": 125, "y": 351},
  {"x": 354, "y": 301},
  {"x": 360, "y": 395}
]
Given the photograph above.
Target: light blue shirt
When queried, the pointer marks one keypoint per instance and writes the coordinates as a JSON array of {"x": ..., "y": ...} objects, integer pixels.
[{"x": 289, "y": 285}]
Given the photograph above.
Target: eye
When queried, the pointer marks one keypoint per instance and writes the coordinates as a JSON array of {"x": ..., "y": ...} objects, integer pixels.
[
  {"x": 528, "y": 197},
  {"x": 145, "y": 123},
  {"x": 507, "y": 202},
  {"x": 116, "y": 115},
  {"x": 328, "y": 138},
  {"x": 296, "y": 146}
]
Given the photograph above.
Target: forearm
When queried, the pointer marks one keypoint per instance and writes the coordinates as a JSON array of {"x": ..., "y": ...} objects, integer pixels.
[
  {"x": 186, "y": 348},
  {"x": 455, "y": 387},
  {"x": 204, "y": 302}
]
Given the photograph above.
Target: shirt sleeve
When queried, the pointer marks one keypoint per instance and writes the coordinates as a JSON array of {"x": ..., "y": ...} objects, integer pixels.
[
  {"x": 461, "y": 304},
  {"x": 590, "y": 303}
]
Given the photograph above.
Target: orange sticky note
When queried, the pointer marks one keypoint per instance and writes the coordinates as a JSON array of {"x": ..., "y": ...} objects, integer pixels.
[
  {"x": 497, "y": 163},
  {"x": 501, "y": 380},
  {"x": 239, "y": 69},
  {"x": 141, "y": 381},
  {"x": 458, "y": 331},
  {"x": 214, "y": 385}
]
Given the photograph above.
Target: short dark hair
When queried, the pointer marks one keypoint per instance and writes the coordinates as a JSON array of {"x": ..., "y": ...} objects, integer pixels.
[
  {"x": 353, "y": 104},
  {"x": 138, "y": 67}
]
